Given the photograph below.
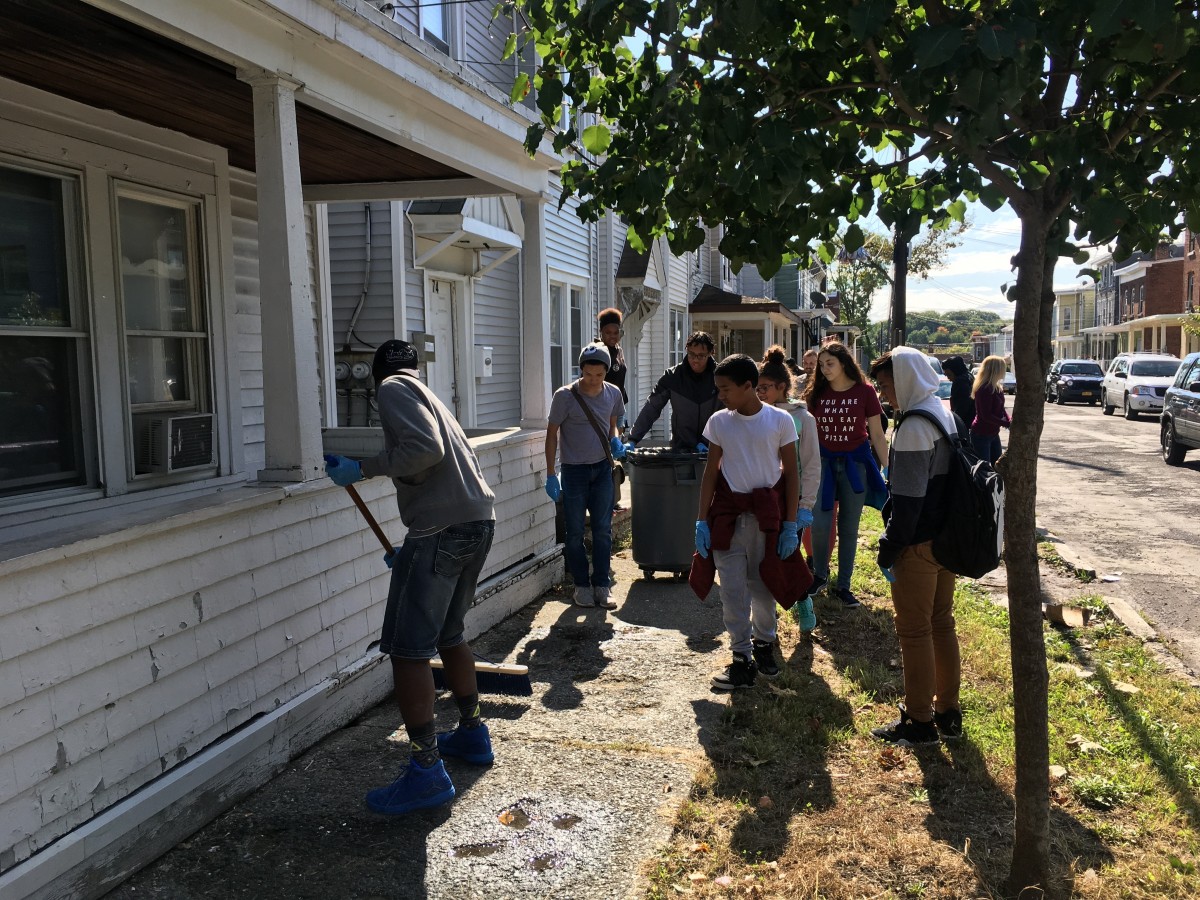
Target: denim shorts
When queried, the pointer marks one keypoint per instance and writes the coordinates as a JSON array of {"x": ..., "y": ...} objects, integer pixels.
[{"x": 433, "y": 585}]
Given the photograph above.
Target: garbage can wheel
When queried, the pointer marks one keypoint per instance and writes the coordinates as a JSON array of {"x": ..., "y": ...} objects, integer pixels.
[
  {"x": 648, "y": 574},
  {"x": 681, "y": 576}
]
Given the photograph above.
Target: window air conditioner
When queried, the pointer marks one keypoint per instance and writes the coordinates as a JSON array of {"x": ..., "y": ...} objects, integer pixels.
[{"x": 173, "y": 443}]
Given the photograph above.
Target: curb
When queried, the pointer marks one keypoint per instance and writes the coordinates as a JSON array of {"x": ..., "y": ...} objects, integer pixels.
[{"x": 1122, "y": 610}]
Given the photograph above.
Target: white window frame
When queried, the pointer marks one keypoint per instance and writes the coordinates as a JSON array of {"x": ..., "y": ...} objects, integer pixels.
[
  {"x": 428, "y": 13},
  {"x": 677, "y": 346},
  {"x": 572, "y": 282},
  {"x": 101, "y": 152}
]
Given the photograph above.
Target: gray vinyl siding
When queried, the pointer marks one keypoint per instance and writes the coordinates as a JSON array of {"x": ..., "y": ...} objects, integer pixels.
[
  {"x": 751, "y": 283},
  {"x": 414, "y": 285},
  {"x": 248, "y": 315},
  {"x": 498, "y": 325},
  {"x": 348, "y": 273},
  {"x": 483, "y": 44},
  {"x": 406, "y": 14},
  {"x": 566, "y": 238}
]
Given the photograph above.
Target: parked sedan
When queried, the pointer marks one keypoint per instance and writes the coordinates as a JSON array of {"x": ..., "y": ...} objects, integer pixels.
[
  {"x": 1180, "y": 430},
  {"x": 1074, "y": 381}
]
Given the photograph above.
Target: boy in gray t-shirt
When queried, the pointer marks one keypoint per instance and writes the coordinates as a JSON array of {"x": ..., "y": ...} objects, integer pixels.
[{"x": 586, "y": 486}]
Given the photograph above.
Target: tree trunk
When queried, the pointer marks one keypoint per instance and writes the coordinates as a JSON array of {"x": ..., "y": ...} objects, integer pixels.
[{"x": 1031, "y": 358}]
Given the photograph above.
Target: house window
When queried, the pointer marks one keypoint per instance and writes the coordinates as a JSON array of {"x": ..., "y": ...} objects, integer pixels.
[
  {"x": 1066, "y": 319},
  {"x": 164, "y": 322},
  {"x": 1191, "y": 291},
  {"x": 110, "y": 387},
  {"x": 43, "y": 336},
  {"x": 435, "y": 24},
  {"x": 675, "y": 342},
  {"x": 568, "y": 316}
]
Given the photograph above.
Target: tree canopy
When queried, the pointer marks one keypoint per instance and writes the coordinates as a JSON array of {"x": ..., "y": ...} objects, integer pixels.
[{"x": 785, "y": 120}]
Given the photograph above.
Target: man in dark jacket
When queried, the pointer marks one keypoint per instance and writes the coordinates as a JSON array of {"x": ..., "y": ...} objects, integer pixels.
[
  {"x": 691, "y": 391},
  {"x": 961, "y": 402}
]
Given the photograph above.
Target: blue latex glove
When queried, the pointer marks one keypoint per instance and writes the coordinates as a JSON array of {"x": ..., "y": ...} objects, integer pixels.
[
  {"x": 888, "y": 574},
  {"x": 884, "y": 473},
  {"x": 390, "y": 557},
  {"x": 804, "y": 518},
  {"x": 702, "y": 447},
  {"x": 630, "y": 445},
  {"x": 789, "y": 540},
  {"x": 618, "y": 449},
  {"x": 553, "y": 488},
  {"x": 703, "y": 538},
  {"x": 342, "y": 470}
]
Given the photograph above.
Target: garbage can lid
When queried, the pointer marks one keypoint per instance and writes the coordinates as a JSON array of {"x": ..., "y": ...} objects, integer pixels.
[{"x": 662, "y": 456}]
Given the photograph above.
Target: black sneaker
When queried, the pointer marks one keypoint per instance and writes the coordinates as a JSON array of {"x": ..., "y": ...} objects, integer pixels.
[
  {"x": 949, "y": 724},
  {"x": 907, "y": 732},
  {"x": 738, "y": 674},
  {"x": 764, "y": 659},
  {"x": 849, "y": 601},
  {"x": 818, "y": 585}
]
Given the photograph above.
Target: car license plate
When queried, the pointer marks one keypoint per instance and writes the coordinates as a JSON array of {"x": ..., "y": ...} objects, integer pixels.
[{"x": 1085, "y": 393}]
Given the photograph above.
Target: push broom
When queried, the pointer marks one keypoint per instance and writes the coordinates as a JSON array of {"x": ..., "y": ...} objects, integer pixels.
[{"x": 492, "y": 678}]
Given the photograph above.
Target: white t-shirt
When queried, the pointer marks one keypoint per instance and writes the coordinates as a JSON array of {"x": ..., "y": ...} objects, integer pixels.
[{"x": 750, "y": 445}]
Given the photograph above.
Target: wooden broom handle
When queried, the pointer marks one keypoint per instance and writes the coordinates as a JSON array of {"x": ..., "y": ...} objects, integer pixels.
[{"x": 362, "y": 508}]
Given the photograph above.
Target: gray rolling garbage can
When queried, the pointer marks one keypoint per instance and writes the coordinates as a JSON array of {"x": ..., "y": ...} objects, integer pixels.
[{"x": 666, "y": 493}]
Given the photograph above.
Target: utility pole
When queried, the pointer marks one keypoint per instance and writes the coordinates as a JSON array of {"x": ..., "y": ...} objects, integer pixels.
[{"x": 899, "y": 282}]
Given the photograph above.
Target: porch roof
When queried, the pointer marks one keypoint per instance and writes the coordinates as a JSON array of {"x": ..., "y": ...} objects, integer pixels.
[
  {"x": 86, "y": 54},
  {"x": 712, "y": 299}
]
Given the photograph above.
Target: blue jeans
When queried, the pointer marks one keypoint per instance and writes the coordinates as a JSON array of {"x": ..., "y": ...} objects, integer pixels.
[
  {"x": 850, "y": 507},
  {"x": 433, "y": 585},
  {"x": 588, "y": 489},
  {"x": 986, "y": 447}
]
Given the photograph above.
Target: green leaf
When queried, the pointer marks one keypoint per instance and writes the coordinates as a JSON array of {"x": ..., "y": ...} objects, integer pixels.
[
  {"x": 957, "y": 210},
  {"x": 937, "y": 45},
  {"x": 533, "y": 138},
  {"x": 1080, "y": 257},
  {"x": 867, "y": 17},
  {"x": 853, "y": 239},
  {"x": 510, "y": 46},
  {"x": 596, "y": 139},
  {"x": 1106, "y": 16},
  {"x": 989, "y": 42},
  {"x": 520, "y": 88}
]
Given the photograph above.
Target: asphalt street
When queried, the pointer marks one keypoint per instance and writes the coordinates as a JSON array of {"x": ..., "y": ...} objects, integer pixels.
[{"x": 1104, "y": 489}]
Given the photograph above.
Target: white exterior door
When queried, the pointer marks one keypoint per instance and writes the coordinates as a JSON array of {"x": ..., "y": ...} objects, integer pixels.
[{"x": 451, "y": 372}]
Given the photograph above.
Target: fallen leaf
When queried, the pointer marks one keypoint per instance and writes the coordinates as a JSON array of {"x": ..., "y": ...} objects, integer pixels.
[
  {"x": 783, "y": 692},
  {"x": 1057, "y": 773},
  {"x": 680, "y": 889},
  {"x": 772, "y": 864},
  {"x": 701, "y": 847},
  {"x": 1126, "y": 688},
  {"x": 1080, "y": 744},
  {"x": 1090, "y": 875},
  {"x": 889, "y": 759},
  {"x": 755, "y": 763},
  {"x": 667, "y": 788},
  {"x": 765, "y": 802},
  {"x": 893, "y": 663},
  {"x": 723, "y": 881},
  {"x": 814, "y": 724},
  {"x": 506, "y": 817},
  {"x": 697, "y": 876}
]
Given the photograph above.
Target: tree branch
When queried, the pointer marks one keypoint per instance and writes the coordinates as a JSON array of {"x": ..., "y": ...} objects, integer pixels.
[{"x": 1131, "y": 120}]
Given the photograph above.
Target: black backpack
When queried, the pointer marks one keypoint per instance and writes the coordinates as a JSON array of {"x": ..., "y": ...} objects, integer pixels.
[{"x": 972, "y": 536}]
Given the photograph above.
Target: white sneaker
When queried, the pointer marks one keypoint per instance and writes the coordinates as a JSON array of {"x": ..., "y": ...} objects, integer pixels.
[
  {"x": 602, "y": 598},
  {"x": 583, "y": 596}
]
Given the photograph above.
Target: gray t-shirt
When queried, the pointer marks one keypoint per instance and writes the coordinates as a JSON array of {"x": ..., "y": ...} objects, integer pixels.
[{"x": 578, "y": 443}]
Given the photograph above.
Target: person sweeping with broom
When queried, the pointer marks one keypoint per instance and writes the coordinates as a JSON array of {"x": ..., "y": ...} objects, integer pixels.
[{"x": 449, "y": 512}]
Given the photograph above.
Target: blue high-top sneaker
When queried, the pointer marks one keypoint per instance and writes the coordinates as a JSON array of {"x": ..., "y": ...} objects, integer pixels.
[
  {"x": 473, "y": 745},
  {"x": 805, "y": 617},
  {"x": 417, "y": 788}
]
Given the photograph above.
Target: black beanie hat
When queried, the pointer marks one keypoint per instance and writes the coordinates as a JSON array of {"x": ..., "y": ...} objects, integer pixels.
[{"x": 393, "y": 356}]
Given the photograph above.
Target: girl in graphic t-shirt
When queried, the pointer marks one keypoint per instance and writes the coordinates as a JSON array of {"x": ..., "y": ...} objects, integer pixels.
[{"x": 849, "y": 427}]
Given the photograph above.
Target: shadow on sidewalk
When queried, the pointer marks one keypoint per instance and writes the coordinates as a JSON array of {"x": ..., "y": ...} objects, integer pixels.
[
  {"x": 645, "y": 606},
  {"x": 569, "y": 654}
]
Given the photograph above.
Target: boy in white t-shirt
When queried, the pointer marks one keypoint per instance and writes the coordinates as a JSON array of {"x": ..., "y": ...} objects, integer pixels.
[{"x": 753, "y": 446}]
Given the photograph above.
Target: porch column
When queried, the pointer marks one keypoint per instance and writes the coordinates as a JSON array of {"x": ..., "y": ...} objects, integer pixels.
[
  {"x": 535, "y": 314},
  {"x": 768, "y": 334},
  {"x": 291, "y": 407}
]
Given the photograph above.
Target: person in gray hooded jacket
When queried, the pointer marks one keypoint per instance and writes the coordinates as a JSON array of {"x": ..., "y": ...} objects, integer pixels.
[
  {"x": 692, "y": 392},
  {"x": 919, "y": 461},
  {"x": 448, "y": 510}
]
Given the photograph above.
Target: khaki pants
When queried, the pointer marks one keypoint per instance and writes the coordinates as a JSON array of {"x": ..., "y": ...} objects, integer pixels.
[{"x": 923, "y": 597}]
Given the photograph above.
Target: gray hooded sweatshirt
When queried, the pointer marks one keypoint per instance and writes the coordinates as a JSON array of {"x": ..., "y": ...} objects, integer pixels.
[
  {"x": 437, "y": 476},
  {"x": 918, "y": 459}
]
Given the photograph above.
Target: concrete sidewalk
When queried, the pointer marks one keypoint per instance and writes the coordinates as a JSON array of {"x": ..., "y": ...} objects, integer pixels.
[{"x": 592, "y": 768}]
